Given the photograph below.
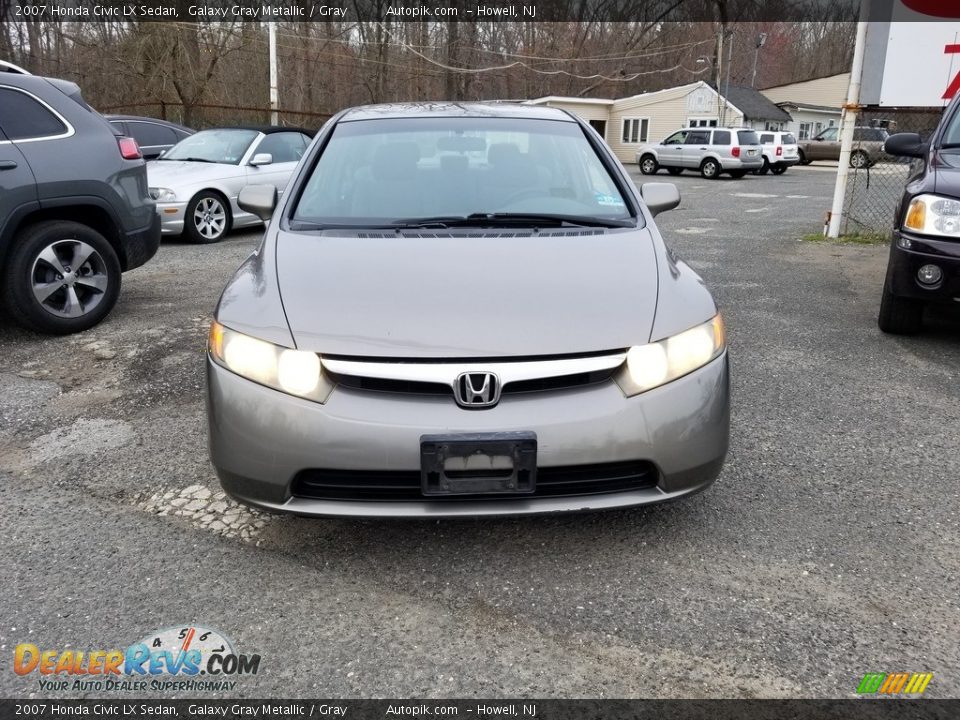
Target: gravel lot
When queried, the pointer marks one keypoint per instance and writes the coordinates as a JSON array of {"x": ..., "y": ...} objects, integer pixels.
[{"x": 827, "y": 549}]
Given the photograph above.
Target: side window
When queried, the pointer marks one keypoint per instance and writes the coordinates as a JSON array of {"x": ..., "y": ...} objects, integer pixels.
[
  {"x": 721, "y": 137},
  {"x": 23, "y": 118},
  {"x": 828, "y": 134},
  {"x": 676, "y": 139},
  {"x": 150, "y": 134},
  {"x": 284, "y": 146},
  {"x": 766, "y": 139},
  {"x": 698, "y": 137}
]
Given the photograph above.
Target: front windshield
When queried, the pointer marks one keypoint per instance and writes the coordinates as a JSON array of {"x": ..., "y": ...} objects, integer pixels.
[
  {"x": 215, "y": 146},
  {"x": 391, "y": 171}
]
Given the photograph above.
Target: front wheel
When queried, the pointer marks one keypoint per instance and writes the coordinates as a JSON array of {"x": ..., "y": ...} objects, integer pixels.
[
  {"x": 899, "y": 316},
  {"x": 62, "y": 277},
  {"x": 710, "y": 169},
  {"x": 208, "y": 218},
  {"x": 648, "y": 165}
]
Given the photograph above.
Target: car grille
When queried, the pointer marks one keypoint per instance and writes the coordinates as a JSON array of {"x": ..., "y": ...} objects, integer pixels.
[
  {"x": 404, "y": 485},
  {"x": 564, "y": 382}
]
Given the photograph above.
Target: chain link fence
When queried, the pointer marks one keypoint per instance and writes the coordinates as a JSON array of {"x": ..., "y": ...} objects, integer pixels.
[{"x": 876, "y": 179}]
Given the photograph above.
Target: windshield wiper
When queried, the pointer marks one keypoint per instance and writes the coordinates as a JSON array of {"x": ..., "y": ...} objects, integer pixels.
[
  {"x": 508, "y": 219},
  {"x": 189, "y": 159}
]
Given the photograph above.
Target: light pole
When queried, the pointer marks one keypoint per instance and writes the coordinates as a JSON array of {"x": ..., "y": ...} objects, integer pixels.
[
  {"x": 761, "y": 41},
  {"x": 723, "y": 119}
]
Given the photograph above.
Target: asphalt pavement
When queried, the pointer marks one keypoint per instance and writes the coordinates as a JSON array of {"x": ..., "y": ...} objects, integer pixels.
[{"x": 827, "y": 549}]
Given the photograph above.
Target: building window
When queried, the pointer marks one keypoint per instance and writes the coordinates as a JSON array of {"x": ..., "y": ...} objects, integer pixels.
[
  {"x": 806, "y": 131},
  {"x": 635, "y": 130},
  {"x": 702, "y": 122},
  {"x": 775, "y": 126}
]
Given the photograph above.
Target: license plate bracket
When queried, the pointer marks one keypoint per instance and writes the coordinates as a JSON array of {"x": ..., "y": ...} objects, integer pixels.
[{"x": 499, "y": 463}]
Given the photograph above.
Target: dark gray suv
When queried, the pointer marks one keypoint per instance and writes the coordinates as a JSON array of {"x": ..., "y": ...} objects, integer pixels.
[{"x": 74, "y": 207}]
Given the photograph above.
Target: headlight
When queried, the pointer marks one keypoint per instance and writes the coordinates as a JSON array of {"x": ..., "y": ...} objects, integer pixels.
[
  {"x": 294, "y": 372},
  {"x": 657, "y": 363},
  {"x": 933, "y": 215},
  {"x": 163, "y": 194}
]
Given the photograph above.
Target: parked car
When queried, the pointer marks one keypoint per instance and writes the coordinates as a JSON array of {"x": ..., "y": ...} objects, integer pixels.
[
  {"x": 867, "y": 146},
  {"x": 712, "y": 151},
  {"x": 924, "y": 264},
  {"x": 74, "y": 206},
  {"x": 779, "y": 152},
  {"x": 197, "y": 181},
  {"x": 153, "y": 136},
  {"x": 464, "y": 309}
]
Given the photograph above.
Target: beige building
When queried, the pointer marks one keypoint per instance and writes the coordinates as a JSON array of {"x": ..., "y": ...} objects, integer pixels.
[
  {"x": 813, "y": 104},
  {"x": 631, "y": 122}
]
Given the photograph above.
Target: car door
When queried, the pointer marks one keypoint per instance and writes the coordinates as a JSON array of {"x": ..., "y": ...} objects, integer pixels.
[
  {"x": 695, "y": 148},
  {"x": 670, "y": 152},
  {"x": 285, "y": 150},
  {"x": 825, "y": 146},
  {"x": 18, "y": 187}
]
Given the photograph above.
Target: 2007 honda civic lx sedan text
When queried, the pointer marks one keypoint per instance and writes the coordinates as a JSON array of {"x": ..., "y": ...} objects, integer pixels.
[{"x": 458, "y": 310}]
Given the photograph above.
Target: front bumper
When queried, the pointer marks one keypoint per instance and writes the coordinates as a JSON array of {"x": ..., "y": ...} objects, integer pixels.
[
  {"x": 260, "y": 439},
  {"x": 172, "y": 216},
  {"x": 905, "y": 262}
]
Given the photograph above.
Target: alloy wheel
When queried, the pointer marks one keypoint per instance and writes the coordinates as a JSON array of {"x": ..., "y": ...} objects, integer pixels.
[
  {"x": 210, "y": 218},
  {"x": 69, "y": 278}
]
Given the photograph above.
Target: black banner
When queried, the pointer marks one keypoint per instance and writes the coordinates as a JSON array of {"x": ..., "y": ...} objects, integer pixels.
[
  {"x": 854, "y": 709},
  {"x": 432, "y": 10}
]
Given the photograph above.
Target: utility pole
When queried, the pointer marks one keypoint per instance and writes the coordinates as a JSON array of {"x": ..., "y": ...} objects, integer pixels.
[
  {"x": 726, "y": 92},
  {"x": 274, "y": 94},
  {"x": 761, "y": 41},
  {"x": 848, "y": 120}
]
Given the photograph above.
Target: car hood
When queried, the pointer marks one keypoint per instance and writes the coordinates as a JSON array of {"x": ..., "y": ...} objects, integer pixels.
[
  {"x": 947, "y": 173},
  {"x": 177, "y": 173},
  {"x": 463, "y": 296}
]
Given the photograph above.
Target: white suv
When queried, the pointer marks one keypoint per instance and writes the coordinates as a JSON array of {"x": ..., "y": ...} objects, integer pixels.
[
  {"x": 779, "y": 152},
  {"x": 711, "y": 151}
]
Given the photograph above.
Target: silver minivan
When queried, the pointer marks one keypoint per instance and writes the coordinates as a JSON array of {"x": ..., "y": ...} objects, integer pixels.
[{"x": 712, "y": 151}]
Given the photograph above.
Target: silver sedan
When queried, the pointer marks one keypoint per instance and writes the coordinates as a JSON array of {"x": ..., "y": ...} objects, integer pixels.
[
  {"x": 197, "y": 181},
  {"x": 464, "y": 310}
]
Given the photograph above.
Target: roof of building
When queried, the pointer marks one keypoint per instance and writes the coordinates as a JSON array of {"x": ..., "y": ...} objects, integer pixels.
[
  {"x": 753, "y": 104},
  {"x": 809, "y": 106},
  {"x": 807, "y": 80},
  {"x": 572, "y": 100}
]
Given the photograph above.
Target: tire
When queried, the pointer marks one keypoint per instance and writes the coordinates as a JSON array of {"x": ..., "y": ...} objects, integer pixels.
[
  {"x": 648, "y": 165},
  {"x": 765, "y": 168},
  {"x": 710, "y": 169},
  {"x": 61, "y": 277},
  {"x": 899, "y": 316},
  {"x": 674, "y": 171},
  {"x": 859, "y": 160},
  {"x": 778, "y": 169},
  {"x": 803, "y": 158},
  {"x": 207, "y": 219},
  {"x": 737, "y": 174}
]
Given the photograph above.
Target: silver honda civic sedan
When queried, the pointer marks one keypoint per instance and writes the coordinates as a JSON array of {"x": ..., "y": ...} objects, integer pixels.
[{"x": 464, "y": 310}]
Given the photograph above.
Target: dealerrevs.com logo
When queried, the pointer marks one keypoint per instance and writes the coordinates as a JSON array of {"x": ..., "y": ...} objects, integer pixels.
[{"x": 185, "y": 659}]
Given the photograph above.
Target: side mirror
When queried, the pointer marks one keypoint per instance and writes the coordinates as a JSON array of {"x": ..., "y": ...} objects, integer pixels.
[
  {"x": 659, "y": 197},
  {"x": 261, "y": 159},
  {"x": 906, "y": 145},
  {"x": 259, "y": 200}
]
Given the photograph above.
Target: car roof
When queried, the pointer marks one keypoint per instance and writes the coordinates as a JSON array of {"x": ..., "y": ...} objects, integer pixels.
[
  {"x": 453, "y": 109},
  {"x": 266, "y": 129},
  {"x": 158, "y": 121}
]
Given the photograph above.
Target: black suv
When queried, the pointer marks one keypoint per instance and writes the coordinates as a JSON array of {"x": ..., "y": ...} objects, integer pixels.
[
  {"x": 74, "y": 207},
  {"x": 924, "y": 265}
]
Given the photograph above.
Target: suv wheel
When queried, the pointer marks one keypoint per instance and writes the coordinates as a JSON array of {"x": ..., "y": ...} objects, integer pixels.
[
  {"x": 208, "y": 218},
  {"x": 710, "y": 169},
  {"x": 765, "y": 168},
  {"x": 859, "y": 159},
  {"x": 778, "y": 169},
  {"x": 62, "y": 277},
  {"x": 648, "y": 165},
  {"x": 899, "y": 316}
]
